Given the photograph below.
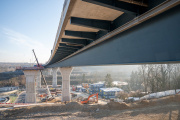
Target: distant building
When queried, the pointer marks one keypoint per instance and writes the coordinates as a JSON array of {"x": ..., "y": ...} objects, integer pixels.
[
  {"x": 109, "y": 92},
  {"x": 95, "y": 88},
  {"x": 119, "y": 83},
  {"x": 79, "y": 87}
]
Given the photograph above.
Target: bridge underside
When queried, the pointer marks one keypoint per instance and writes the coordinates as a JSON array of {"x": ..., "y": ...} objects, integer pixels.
[
  {"x": 109, "y": 32},
  {"x": 156, "y": 40}
]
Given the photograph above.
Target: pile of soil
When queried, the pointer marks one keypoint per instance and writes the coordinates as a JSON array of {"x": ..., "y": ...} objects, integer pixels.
[
  {"x": 145, "y": 102},
  {"x": 117, "y": 106},
  {"x": 74, "y": 105},
  {"x": 168, "y": 99},
  {"x": 155, "y": 102}
]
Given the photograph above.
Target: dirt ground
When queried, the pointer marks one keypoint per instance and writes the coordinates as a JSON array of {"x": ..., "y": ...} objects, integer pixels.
[{"x": 167, "y": 108}]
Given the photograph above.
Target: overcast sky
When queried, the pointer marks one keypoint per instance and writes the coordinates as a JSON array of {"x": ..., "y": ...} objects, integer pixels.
[{"x": 27, "y": 25}]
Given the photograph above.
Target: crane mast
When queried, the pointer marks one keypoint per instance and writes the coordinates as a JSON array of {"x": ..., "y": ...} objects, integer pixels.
[{"x": 47, "y": 88}]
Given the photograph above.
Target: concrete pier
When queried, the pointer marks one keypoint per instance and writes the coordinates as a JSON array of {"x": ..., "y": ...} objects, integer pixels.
[
  {"x": 54, "y": 80},
  {"x": 66, "y": 72},
  {"x": 30, "y": 85},
  {"x": 49, "y": 71},
  {"x": 38, "y": 80}
]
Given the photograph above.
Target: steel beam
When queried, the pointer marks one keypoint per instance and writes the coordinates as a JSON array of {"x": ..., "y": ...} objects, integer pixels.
[
  {"x": 119, "y": 5},
  {"x": 59, "y": 52},
  {"x": 62, "y": 52},
  {"x": 121, "y": 20},
  {"x": 63, "y": 49},
  {"x": 91, "y": 23},
  {"x": 85, "y": 35},
  {"x": 75, "y": 41},
  {"x": 155, "y": 40},
  {"x": 68, "y": 46},
  {"x": 137, "y": 2},
  {"x": 58, "y": 57}
]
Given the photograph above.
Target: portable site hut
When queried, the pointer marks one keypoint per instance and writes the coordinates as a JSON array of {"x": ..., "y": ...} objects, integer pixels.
[
  {"x": 95, "y": 88},
  {"x": 109, "y": 92},
  {"x": 78, "y": 88}
]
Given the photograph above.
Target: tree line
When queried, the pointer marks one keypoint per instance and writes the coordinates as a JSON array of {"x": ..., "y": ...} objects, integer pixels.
[{"x": 155, "y": 78}]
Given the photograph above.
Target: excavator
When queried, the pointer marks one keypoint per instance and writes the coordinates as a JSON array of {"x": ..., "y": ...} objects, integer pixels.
[{"x": 87, "y": 100}]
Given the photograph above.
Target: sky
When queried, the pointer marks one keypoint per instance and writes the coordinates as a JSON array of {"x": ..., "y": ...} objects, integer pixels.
[{"x": 27, "y": 25}]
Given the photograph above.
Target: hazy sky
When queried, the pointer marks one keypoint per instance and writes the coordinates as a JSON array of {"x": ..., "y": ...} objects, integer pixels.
[{"x": 27, "y": 25}]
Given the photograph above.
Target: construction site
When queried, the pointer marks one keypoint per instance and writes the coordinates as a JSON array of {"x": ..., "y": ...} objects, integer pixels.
[
  {"x": 142, "y": 35},
  {"x": 166, "y": 108},
  {"x": 87, "y": 105}
]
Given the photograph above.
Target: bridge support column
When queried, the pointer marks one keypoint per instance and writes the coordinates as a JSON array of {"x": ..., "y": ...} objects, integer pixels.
[
  {"x": 49, "y": 71},
  {"x": 66, "y": 72},
  {"x": 54, "y": 73},
  {"x": 30, "y": 85},
  {"x": 38, "y": 80}
]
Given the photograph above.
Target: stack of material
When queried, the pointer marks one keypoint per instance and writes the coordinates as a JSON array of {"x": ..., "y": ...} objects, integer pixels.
[{"x": 160, "y": 94}]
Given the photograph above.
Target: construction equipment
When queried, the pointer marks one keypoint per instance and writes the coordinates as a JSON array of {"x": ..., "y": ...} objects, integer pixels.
[
  {"x": 87, "y": 100},
  {"x": 73, "y": 95},
  {"x": 49, "y": 96},
  {"x": 73, "y": 88},
  {"x": 85, "y": 85}
]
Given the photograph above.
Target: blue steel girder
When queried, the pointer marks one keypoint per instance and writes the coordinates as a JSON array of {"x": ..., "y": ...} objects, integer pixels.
[
  {"x": 81, "y": 34},
  {"x": 69, "y": 46},
  {"x": 120, "y": 5},
  {"x": 66, "y": 49},
  {"x": 65, "y": 52},
  {"x": 91, "y": 23},
  {"x": 76, "y": 41}
]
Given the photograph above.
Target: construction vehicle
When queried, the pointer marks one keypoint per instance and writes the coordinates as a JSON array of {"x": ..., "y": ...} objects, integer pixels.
[
  {"x": 78, "y": 88},
  {"x": 49, "y": 97},
  {"x": 73, "y": 95},
  {"x": 85, "y": 85},
  {"x": 73, "y": 88},
  {"x": 87, "y": 100}
]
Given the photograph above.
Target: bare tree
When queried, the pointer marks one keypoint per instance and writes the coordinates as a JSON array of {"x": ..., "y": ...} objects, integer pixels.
[
  {"x": 169, "y": 73},
  {"x": 176, "y": 76},
  {"x": 142, "y": 70},
  {"x": 108, "y": 80}
]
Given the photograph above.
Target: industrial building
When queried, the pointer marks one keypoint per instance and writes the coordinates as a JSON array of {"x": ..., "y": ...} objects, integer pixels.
[
  {"x": 109, "y": 92},
  {"x": 95, "y": 88}
]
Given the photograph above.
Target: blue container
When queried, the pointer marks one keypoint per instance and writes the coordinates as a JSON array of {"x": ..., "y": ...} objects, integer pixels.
[{"x": 109, "y": 92}]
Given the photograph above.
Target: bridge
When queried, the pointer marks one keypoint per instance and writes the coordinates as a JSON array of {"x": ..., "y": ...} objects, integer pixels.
[{"x": 111, "y": 32}]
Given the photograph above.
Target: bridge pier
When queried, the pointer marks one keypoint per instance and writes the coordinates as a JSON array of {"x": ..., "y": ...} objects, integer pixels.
[
  {"x": 66, "y": 72},
  {"x": 30, "y": 85},
  {"x": 38, "y": 80},
  {"x": 54, "y": 80},
  {"x": 49, "y": 71}
]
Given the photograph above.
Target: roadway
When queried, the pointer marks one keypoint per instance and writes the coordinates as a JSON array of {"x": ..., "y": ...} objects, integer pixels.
[{"x": 21, "y": 97}]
